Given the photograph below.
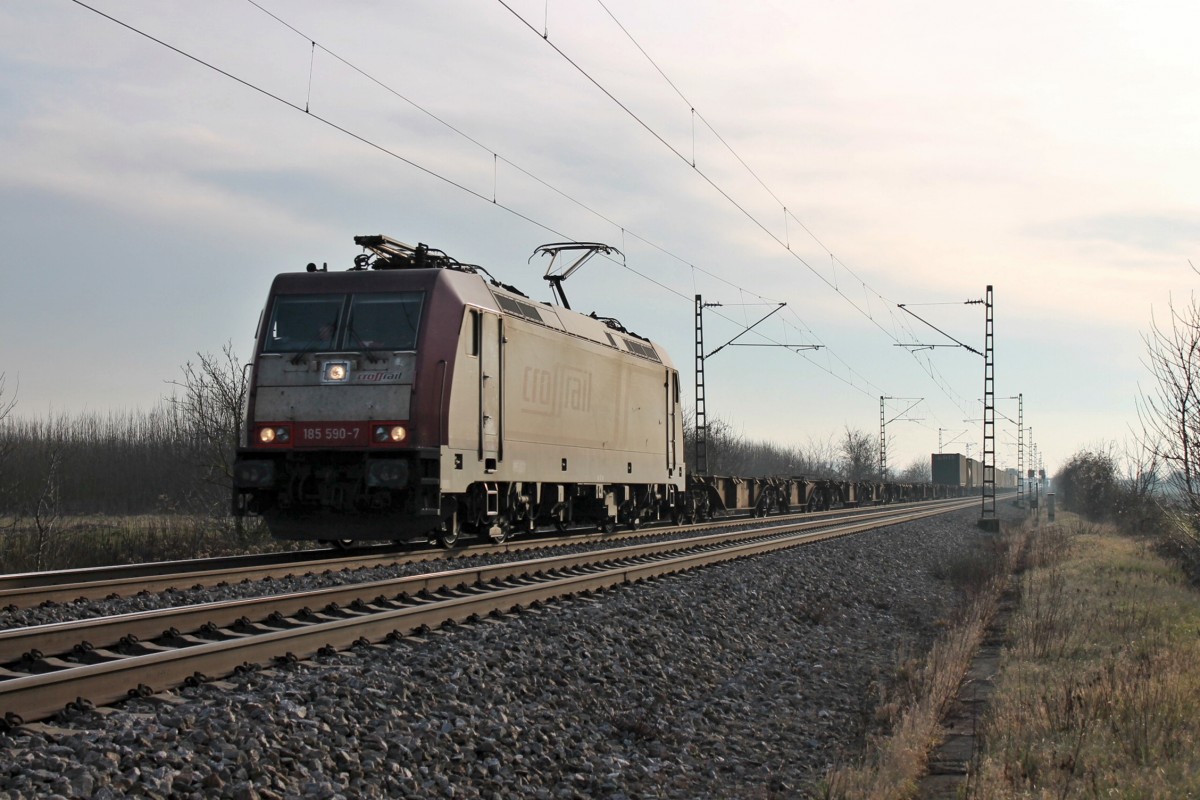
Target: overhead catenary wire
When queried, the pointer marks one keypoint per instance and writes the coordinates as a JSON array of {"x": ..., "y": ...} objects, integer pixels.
[
  {"x": 649, "y": 129},
  {"x": 852, "y": 378},
  {"x": 785, "y": 243},
  {"x": 584, "y": 206},
  {"x": 496, "y": 156},
  {"x": 307, "y": 111}
]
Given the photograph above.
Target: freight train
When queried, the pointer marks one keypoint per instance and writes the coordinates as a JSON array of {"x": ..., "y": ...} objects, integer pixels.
[
  {"x": 955, "y": 469},
  {"x": 414, "y": 398}
]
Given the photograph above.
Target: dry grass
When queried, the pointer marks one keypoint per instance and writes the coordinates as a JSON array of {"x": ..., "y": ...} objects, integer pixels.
[
  {"x": 95, "y": 540},
  {"x": 1099, "y": 695},
  {"x": 922, "y": 691}
]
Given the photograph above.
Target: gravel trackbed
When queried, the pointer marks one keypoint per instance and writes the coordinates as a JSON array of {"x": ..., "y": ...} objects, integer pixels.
[{"x": 743, "y": 680}]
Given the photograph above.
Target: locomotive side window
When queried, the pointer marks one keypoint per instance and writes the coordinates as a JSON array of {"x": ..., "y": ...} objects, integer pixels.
[
  {"x": 384, "y": 321},
  {"x": 476, "y": 334},
  {"x": 304, "y": 322}
]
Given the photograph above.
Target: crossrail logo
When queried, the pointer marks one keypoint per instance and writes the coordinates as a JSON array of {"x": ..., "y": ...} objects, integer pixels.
[
  {"x": 553, "y": 392},
  {"x": 378, "y": 377}
]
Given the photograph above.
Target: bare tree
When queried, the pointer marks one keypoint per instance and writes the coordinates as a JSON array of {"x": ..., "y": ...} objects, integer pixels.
[
  {"x": 1141, "y": 507},
  {"x": 6, "y": 406},
  {"x": 210, "y": 409},
  {"x": 820, "y": 459},
  {"x": 919, "y": 471},
  {"x": 41, "y": 496},
  {"x": 1169, "y": 412},
  {"x": 732, "y": 453},
  {"x": 860, "y": 455},
  {"x": 6, "y": 446},
  {"x": 47, "y": 508}
]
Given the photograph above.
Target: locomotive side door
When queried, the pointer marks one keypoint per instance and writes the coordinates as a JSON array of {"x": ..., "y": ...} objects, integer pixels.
[
  {"x": 491, "y": 391},
  {"x": 672, "y": 394}
]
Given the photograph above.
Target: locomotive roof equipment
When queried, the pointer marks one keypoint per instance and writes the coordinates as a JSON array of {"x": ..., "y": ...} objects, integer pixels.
[{"x": 555, "y": 279}]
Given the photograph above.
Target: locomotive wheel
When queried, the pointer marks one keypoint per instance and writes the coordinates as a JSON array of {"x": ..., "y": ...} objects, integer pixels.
[
  {"x": 607, "y": 525},
  {"x": 630, "y": 515},
  {"x": 448, "y": 535},
  {"x": 338, "y": 544}
]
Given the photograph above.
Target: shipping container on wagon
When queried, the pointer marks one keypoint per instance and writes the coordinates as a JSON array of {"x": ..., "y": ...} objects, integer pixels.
[
  {"x": 974, "y": 474},
  {"x": 949, "y": 469},
  {"x": 1006, "y": 479}
]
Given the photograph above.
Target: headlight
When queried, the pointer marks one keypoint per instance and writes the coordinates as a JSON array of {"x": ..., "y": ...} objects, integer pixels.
[
  {"x": 335, "y": 372},
  {"x": 274, "y": 435},
  {"x": 390, "y": 433}
]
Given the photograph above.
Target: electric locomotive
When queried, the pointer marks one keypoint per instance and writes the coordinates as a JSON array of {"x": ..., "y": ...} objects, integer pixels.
[{"x": 410, "y": 398}]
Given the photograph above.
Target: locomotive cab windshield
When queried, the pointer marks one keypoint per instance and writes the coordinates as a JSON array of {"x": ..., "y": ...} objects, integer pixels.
[{"x": 376, "y": 321}]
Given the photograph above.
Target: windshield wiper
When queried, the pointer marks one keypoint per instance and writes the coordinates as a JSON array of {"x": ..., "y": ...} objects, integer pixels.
[
  {"x": 317, "y": 344},
  {"x": 296, "y": 359},
  {"x": 356, "y": 339}
]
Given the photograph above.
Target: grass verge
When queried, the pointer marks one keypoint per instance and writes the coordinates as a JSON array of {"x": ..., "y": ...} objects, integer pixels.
[{"x": 1098, "y": 694}]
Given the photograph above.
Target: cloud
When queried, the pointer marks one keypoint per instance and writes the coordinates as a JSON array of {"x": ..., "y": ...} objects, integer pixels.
[{"x": 1152, "y": 233}]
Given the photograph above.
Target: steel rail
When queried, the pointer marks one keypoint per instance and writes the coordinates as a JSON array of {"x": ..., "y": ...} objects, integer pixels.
[
  {"x": 24, "y": 580},
  {"x": 131, "y": 579},
  {"x": 33, "y": 697},
  {"x": 333, "y": 557},
  {"x": 82, "y": 636}
]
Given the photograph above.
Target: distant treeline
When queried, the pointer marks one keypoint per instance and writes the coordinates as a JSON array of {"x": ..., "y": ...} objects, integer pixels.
[
  {"x": 138, "y": 462},
  {"x": 854, "y": 456},
  {"x": 124, "y": 462}
]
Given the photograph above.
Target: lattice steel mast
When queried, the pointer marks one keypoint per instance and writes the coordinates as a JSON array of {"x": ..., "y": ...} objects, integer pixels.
[
  {"x": 701, "y": 423},
  {"x": 989, "y": 417}
]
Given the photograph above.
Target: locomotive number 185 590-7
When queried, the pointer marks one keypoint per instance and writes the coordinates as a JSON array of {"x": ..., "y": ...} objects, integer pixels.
[{"x": 334, "y": 434}]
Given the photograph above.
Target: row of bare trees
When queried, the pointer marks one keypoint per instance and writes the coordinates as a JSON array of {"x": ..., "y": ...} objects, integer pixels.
[
  {"x": 855, "y": 456},
  {"x": 174, "y": 458},
  {"x": 177, "y": 456}
]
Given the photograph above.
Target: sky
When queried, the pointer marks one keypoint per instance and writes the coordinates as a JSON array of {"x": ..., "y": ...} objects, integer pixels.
[{"x": 842, "y": 158}]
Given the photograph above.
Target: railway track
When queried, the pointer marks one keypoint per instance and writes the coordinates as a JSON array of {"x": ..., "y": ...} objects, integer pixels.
[
  {"x": 29, "y": 589},
  {"x": 100, "y": 661}
]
